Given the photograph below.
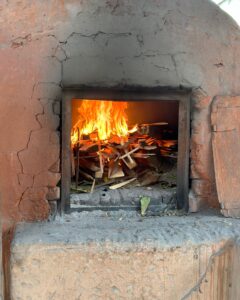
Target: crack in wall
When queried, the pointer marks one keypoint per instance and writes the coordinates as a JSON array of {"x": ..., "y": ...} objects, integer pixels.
[
  {"x": 99, "y": 33},
  {"x": 161, "y": 67},
  {"x": 28, "y": 142},
  {"x": 211, "y": 259},
  {"x": 22, "y": 195},
  {"x": 22, "y": 41},
  {"x": 114, "y": 7}
]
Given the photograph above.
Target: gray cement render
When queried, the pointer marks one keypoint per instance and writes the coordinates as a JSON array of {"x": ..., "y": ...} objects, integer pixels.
[
  {"x": 158, "y": 43},
  {"x": 126, "y": 231}
]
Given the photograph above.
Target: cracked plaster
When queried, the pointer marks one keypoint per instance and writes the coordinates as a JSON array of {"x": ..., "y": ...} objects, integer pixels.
[{"x": 105, "y": 43}]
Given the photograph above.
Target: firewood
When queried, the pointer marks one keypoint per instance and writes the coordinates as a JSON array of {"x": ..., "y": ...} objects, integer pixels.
[
  {"x": 147, "y": 144},
  {"x": 121, "y": 184},
  {"x": 115, "y": 140},
  {"x": 79, "y": 189},
  {"x": 169, "y": 143},
  {"x": 89, "y": 147},
  {"x": 72, "y": 164},
  {"x": 143, "y": 155},
  {"x": 110, "y": 152},
  {"x": 130, "y": 163},
  {"x": 154, "y": 124},
  {"x": 145, "y": 128},
  {"x": 86, "y": 175},
  {"x": 93, "y": 185},
  {"x": 109, "y": 182},
  {"x": 127, "y": 154},
  {"x": 99, "y": 174},
  {"x": 115, "y": 170},
  {"x": 93, "y": 156},
  {"x": 88, "y": 164},
  {"x": 150, "y": 141},
  {"x": 77, "y": 166},
  {"x": 125, "y": 144},
  {"x": 167, "y": 153},
  {"x": 153, "y": 147}
]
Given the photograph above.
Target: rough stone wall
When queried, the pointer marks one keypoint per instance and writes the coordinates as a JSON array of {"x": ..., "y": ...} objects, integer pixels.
[{"x": 47, "y": 44}]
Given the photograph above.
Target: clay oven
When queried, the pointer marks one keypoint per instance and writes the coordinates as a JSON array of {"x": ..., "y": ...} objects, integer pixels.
[
  {"x": 171, "y": 68},
  {"x": 128, "y": 51}
]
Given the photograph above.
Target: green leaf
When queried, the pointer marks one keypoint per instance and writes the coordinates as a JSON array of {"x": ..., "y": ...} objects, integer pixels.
[{"x": 144, "y": 201}]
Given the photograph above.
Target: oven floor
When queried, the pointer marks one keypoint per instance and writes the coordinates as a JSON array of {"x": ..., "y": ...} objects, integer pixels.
[{"x": 106, "y": 199}]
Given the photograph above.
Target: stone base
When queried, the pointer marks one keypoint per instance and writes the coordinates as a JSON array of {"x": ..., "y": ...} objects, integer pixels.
[{"x": 119, "y": 255}]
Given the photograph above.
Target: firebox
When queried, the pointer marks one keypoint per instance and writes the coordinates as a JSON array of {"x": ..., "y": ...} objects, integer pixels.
[{"x": 122, "y": 147}]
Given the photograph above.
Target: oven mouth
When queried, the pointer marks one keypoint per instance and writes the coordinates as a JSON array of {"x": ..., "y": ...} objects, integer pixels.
[{"x": 110, "y": 167}]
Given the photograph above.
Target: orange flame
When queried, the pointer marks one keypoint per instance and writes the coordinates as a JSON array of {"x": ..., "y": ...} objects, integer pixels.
[{"x": 107, "y": 118}]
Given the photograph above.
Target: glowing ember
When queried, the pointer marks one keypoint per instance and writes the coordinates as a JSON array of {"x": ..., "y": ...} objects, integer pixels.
[{"x": 106, "y": 118}]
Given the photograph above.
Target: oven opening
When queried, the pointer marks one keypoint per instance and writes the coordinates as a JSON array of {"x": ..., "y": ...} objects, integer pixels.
[{"x": 125, "y": 154}]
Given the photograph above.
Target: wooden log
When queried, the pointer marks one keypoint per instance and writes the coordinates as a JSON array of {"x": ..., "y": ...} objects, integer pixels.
[
  {"x": 130, "y": 163},
  {"x": 89, "y": 147},
  {"x": 93, "y": 185},
  {"x": 127, "y": 154},
  {"x": 150, "y": 141},
  {"x": 115, "y": 170},
  {"x": 147, "y": 144},
  {"x": 77, "y": 166},
  {"x": 99, "y": 174},
  {"x": 121, "y": 184},
  {"x": 104, "y": 184},
  {"x": 152, "y": 147},
  {"x": 110, "y": 152},
  {"x": 88, "y": 164},
  {"x": 86, "y": 175},
  {"x": 143, "y": 155},
  {"x": 169, "y": 143},
  {"x": 72, "y": 164},
  {"x": 153, "y": 124}
]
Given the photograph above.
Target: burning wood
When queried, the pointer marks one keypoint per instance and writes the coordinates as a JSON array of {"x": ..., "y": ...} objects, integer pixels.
[
  {"x": 105, "y": 151},
  {"x": 130, "y": 163}
]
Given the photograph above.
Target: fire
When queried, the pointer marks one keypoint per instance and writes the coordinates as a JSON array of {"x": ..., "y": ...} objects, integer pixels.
[{"x": 106, "y": 118}]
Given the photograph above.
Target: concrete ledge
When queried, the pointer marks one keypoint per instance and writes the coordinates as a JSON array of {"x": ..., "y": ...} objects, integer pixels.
[{"x": 120, "y": 255}]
